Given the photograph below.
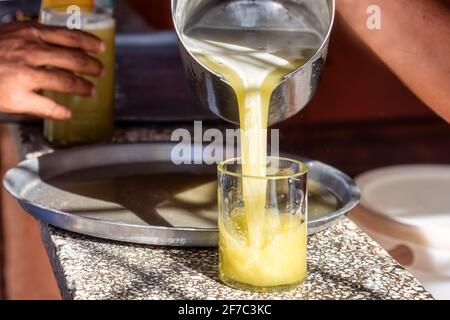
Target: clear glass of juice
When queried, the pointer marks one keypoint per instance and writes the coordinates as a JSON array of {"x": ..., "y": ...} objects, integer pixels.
[
  {"x": 263, "y": 226},
  {"x": 92, "y": 117}
]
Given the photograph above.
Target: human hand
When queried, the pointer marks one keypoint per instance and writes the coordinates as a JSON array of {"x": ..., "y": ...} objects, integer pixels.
[{"x": 27, "y": 50}]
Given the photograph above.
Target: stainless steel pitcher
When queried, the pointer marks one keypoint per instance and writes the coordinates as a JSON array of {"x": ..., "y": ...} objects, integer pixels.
[{"x": 295, "y": 90}]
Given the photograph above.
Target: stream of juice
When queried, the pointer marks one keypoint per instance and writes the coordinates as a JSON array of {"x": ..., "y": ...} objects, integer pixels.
[{"x": 258, "y": 248}]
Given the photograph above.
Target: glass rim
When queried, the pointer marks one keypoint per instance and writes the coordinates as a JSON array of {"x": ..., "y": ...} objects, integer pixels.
[
  {"x": 96, "y": 10},
  {"x": 303, "y": 171}
]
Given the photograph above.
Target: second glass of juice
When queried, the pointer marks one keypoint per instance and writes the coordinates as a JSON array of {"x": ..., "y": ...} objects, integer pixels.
[
  {"x": 263, "y": 226},
  {"x": 92, "y": 117}
]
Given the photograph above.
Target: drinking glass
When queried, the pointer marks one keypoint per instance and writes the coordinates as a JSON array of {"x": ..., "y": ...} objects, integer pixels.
[
  {"x": 92, "y": 117},
  {"x": 263, "y": 226}
]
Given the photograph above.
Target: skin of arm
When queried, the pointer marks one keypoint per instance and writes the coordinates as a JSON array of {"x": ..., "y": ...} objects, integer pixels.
[{"x": 414, "y": 42}]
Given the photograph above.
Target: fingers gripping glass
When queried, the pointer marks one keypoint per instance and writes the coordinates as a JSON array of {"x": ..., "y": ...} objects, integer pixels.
[{"x": 92, "y": 117}]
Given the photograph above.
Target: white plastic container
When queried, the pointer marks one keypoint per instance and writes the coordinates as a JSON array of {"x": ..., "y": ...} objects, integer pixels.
[{"x": 406, "y": 209}]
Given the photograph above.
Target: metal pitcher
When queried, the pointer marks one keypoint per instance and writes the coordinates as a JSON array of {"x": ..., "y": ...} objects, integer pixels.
[{"x": 294, "y": 91}]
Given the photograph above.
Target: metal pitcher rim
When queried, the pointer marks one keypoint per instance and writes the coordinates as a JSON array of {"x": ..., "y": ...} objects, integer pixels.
[{"x": 286, "y": 77}]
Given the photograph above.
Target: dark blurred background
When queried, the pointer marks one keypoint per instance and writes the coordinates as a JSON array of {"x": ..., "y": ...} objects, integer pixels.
[{"x": 363, "y": 117}]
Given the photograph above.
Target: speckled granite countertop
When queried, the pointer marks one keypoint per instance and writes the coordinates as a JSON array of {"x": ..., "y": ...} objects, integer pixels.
[{"x": 344, "y": 263}]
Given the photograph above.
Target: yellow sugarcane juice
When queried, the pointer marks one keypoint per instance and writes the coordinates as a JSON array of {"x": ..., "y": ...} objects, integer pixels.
[{"x": 92, "y": 117}]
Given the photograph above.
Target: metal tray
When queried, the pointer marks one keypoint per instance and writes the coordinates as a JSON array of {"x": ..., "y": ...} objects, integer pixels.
[{"x": 133, "y": 193}]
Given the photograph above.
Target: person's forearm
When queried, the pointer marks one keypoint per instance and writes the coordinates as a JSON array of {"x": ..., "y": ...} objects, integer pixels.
[{"x": 414, "y": 42}]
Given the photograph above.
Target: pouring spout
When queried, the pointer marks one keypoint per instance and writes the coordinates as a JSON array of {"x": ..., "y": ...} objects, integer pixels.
[{"x": 285, "y": 29}]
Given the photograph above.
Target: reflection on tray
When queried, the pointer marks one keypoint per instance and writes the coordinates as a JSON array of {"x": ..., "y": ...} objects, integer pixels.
[{"x": 152, "y": 195}]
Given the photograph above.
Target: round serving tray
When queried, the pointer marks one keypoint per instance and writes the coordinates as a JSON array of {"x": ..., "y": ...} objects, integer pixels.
[{"x": 134, "y": 193}]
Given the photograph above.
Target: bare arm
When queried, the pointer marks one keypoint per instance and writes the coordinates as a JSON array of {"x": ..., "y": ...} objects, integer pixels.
[{"x": 414, "y": 42}]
